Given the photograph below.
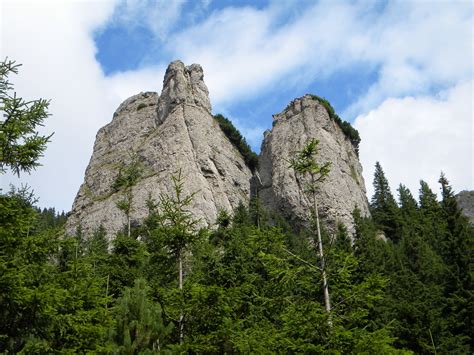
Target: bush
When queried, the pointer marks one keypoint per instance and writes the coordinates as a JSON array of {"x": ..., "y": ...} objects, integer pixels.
[
  {"x": 239, "y": 142},
  {"x": 346, "y": 127}
]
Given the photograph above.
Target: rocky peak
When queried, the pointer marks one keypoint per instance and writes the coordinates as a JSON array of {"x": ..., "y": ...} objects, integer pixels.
[
  {"x": 342, "y": 191},
  {"x": 176, "y": 132},
  {"x": 183, "y": 85},
  {"x": 166, "y": 134}
]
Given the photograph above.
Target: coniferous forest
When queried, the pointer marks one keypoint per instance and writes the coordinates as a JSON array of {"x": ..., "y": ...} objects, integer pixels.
[{"x": 249, "y": 284}]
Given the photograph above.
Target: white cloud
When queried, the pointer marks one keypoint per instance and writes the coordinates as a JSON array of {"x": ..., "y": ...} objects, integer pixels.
[
  {"x": 159, "y": 16},
  {"x": 53, "y": 42},
  {"x": 418, "y": 46},
  {"x": 415, "y": 138},
  {"x": 415, "y": 46},
  {"x": 245, "y": 50},
  {"x": 126, "y": 84}
]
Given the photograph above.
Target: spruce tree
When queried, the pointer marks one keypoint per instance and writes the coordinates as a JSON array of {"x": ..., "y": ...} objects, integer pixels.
[
  {"x": 21, "y": 145},
  {"x": 127, "y": 178},
  {"x": 383, "y": 206},
  {"x": 457, "y": 250},
  {"x": 305, "y": 164}
]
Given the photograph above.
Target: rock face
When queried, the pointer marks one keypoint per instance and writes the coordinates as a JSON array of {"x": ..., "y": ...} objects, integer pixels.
[
  {"x": 167, "y": 133},
  {"x": 342, "y": 191},
  {"x": 175, "y": 131},
  {"x": 466, "y": 202}
]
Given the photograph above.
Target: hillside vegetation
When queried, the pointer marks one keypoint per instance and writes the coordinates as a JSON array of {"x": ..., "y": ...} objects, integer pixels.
[{"x": 249, "y": 286}]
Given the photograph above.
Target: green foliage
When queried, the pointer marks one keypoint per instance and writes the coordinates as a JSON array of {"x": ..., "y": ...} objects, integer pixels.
[
  {"x": 138, "y": 322},
  {"x": 128, "y": 175},
  {"x": 177, "y": 222},
  {"x": 20, "y": 143},
  {"x": 250, "y": 157},
  {"x": 305, "y": 163},
  {"x": 383, "y": 207},
  {"x": 49, "y": 218},
  {"x": 346, "y": 127},
  {"x": 223, "y": 219},
  {"x": 246, "y": 287},
  {"x": 429, "y": 293},
  {"x": 50, "y": 299},
  {"x": 127, "y": 178},
  {"x": 125, "y": 264}
]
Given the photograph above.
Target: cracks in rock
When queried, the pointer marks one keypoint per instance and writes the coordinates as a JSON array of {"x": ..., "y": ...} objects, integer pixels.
[{"x": 194, "y": 152}]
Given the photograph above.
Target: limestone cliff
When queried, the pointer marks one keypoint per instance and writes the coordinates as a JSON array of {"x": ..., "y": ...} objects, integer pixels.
[
  {"x": 339, "y": 194},
  {"x": 164, "y": 134},
  {"x": 176, "y": 131}
]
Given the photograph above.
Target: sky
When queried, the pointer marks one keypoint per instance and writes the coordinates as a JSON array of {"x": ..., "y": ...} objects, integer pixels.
[{"x": 400, "y": 71}]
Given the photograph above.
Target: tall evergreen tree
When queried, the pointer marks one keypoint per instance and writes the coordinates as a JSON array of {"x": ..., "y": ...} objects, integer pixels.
[
  {"x": 127, "y": 178},
  {"x": 305, "y": 165},
  {"x": 457, "y": 251},
  {"x": 383, "y": 206}
]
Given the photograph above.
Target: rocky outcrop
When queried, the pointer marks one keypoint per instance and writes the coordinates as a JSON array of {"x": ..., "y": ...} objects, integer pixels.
[
  {"x": 343, "y": 190},
  {"x": 175, "y": 131},
  {"x": 465, "y": 201},
  {"x": 167, "y": 133}
]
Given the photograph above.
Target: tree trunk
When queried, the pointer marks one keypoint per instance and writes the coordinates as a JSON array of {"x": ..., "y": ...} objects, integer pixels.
[
  {"x": 130, "y": 198},
  {"x": 180, "y": 286},
  {"x": 327, "y": 301}
]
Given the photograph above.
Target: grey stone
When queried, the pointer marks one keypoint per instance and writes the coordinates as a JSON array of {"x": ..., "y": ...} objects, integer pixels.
[
  {"x": 465, "y": 201},
  {"x": 165, "y": 134},
  {"x": 176, "y": 131},
  {"x": 343, "y": 190}
]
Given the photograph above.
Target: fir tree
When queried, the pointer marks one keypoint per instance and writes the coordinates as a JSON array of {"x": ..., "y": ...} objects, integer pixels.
[
  {"x": 21, "y": 145},
  {"x": 383, "y": 206},
  {"x": 305, "y": 164}
]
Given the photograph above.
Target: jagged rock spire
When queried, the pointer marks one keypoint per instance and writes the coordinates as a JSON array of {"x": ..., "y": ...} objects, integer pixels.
[{"x": 183, "y": 85}]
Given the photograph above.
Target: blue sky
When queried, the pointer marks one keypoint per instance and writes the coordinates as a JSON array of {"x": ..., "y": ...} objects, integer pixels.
[{"x": 400, "y": 71}]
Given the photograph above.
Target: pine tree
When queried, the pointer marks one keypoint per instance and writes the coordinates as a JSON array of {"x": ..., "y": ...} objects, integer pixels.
[
  {"x": 174, "y": 230},
  {"x": 434, "y": 225},
  {"x": 305, "y": 164},
  {"x": 139, "y": 324},
  {"x": 383, "y": 206},
  {"x": 409, "y": 214},
  {"x": 457, "y": 250}
]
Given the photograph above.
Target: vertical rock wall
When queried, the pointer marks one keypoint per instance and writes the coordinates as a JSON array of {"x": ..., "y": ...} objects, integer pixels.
[{"x": 343, "y": 190}]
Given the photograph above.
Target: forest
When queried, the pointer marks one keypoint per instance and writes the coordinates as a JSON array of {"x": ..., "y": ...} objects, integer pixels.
[{"x": 251, "y": 283}]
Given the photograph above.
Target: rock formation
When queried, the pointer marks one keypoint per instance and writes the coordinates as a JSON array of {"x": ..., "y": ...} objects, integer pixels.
[
  {"x": 176, "y": 131},
  {"x": 343, "y": 190},
  {"x": 164, "y": 134},
  {"x": 466, "y": 202}
]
